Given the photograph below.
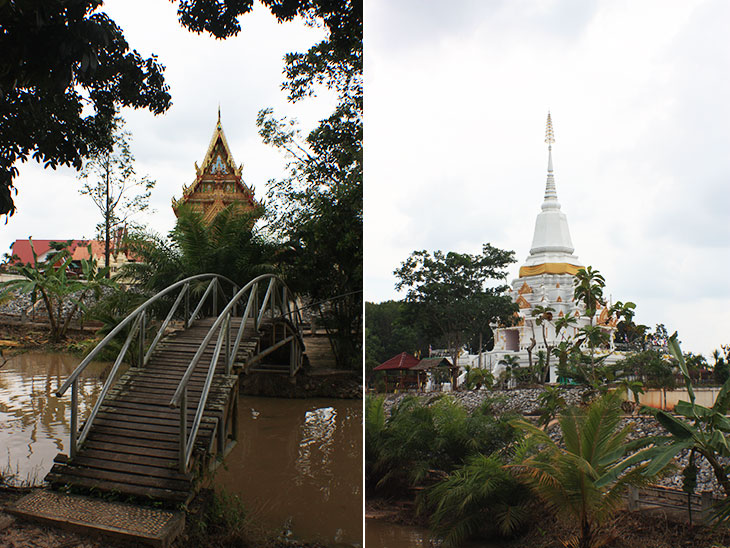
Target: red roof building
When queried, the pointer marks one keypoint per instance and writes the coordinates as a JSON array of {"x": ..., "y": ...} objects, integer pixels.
[
  {"x": 21, "y": 251},
  {"x": 401, "y": 361}
]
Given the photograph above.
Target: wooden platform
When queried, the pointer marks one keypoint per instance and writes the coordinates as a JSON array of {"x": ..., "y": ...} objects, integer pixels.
[{"x": 133, "y": 445}]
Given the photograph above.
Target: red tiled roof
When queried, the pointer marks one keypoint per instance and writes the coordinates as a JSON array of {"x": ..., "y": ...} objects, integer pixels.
[
  {"x": 22, "y": 249},
  {"x": 401, "y": 361}
]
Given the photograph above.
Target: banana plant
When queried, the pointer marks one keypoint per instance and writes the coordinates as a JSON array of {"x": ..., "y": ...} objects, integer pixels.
[
  {"x": 702, "y": 430},
  {"x": 48, "y": 280}
]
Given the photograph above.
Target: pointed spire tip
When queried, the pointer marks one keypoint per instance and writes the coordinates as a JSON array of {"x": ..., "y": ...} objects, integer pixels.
[{"x": 549, "y": 134}]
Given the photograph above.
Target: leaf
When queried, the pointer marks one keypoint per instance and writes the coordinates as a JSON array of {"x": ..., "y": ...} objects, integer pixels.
[
  {"x": 664, "y": 455},
  {"x": 693, "y": 411},
  {"x": 677, "y": 353},
  {"x": 675, "y": 426}
]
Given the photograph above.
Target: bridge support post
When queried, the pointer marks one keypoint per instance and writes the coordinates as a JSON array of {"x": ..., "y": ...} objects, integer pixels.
[
  {"x": 221, "y": 431},
  {"x": 74, "y": 417},
  {"x": 227, "y": 327},
  {"x": 215, "y": 297},
  {"x": 142, "y": 329},
  {"x": 234, "y": 424},
  {"x": 183, "y": 429},
  {"x": 187, "y": 305}
]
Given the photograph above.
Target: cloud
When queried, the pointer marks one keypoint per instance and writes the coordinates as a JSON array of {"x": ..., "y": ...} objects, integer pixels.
[{"x": 638, "y": 93}]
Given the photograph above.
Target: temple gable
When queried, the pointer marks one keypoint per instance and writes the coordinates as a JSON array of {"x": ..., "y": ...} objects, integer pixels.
[{"x": 218, "y": 182}]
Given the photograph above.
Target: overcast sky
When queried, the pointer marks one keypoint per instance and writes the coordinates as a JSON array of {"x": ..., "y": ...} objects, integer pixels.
[
  {"x": 457, "y": 97},
  {"x": 242, "y": 74}
]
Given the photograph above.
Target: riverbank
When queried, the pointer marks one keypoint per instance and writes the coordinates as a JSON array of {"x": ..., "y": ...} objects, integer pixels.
[
  {"x": 16, "y": 337},
  {"x": 648, "y": 529}
]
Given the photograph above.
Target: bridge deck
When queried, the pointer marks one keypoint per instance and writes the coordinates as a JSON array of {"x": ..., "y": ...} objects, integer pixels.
[{"x": 133, "y": 445}]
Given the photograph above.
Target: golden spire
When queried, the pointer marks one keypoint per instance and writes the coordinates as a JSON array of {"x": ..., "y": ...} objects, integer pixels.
[
  {"x": 549, "y": 135},
  {"x": 219, "y": 115}
]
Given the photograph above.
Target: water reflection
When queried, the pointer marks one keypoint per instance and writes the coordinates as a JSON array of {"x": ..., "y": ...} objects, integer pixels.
[
  {"x": 382, "y": 534},
  {"x": 34, "y": 423},
  {"x": 300, "y": 461}
]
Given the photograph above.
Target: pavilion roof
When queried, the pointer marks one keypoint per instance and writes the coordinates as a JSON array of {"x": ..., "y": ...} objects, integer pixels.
[
  {"x": 430, "y": 363},
  {"x": 403, "y": 360}
]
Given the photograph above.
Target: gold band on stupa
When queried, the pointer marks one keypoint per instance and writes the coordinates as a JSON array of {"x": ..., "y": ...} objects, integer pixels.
[{"x": 549, "y": 268}]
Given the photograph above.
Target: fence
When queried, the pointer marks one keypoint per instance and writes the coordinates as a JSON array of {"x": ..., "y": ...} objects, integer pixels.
[{"x": 673, "y": 499}]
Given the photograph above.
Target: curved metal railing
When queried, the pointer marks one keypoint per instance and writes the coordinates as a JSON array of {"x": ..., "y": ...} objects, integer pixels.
[
  {"x": 276, "y": 303},
  {"x": 138, "y": 321}
]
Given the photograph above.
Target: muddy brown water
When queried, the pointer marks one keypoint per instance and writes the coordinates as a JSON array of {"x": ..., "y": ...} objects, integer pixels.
[
  {"x": 297, "y": 465},
  {"x": 299, "y": 462},
  {"x": 34, "y": 422},
  {"x": 381, "y": 534}
]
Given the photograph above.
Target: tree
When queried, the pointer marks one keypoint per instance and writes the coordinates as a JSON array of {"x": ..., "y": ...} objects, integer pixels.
[
  {"x": 510, "y": 364},
  {"x": 721, "y": 368},
  {"x": 318, "y": 208},
  {"x": 650, "y": 367},
  {"x": 589, "y": 285},
  {"x": 585, "y": 480},
  {"x": 701, "y": 430},
  {"x": 551, "y": 402},
  {"x": 388, "y": 332},
  {"x": 450, "y": 294},
  {"x": 544, "y": 317},
  {"x": 110, "y": 181},
  {"x": 480, "y": 498},
  {"x": 61, "y": 57},
  {"x": 230, "y": 245},
  {"x": 476, "y": 378},
  {"x": 61, "y": 290}
]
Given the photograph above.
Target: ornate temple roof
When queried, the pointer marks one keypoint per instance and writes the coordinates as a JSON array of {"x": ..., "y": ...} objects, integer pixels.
[
  {"x": 218, "y": 181},
  {"x": 552, "y": 248}
]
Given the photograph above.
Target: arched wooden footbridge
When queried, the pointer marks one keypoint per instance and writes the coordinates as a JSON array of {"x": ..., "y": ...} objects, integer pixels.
[{"x": 155, "y": 429}]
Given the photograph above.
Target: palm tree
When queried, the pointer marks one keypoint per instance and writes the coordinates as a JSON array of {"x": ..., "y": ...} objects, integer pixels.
[
  {"x": 543, "y": 315},
  {"x": 586, "y": 479},
  {"x": 509, "y": 362},
  {"x": 479, "y": 497},
  {"x": 230, "y": 245},
  {"x": 589, "y": 286},
  {"x": 477, "y": 377}
]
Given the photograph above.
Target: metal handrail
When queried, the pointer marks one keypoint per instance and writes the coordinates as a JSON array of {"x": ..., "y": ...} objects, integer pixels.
[
  {"x": 138, "y": 316},
  {"x": 179, "y": 399}
]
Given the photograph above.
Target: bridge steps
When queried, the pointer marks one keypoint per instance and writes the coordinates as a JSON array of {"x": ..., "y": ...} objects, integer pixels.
[{"x": 133, "y": 446}]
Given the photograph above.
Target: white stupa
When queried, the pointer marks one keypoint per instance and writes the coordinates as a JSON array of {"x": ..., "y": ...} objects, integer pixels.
[{"x": 545, "y": 279}]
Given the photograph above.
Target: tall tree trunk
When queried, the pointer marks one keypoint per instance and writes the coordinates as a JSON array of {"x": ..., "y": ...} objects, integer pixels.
[
  {"x": 107, "y": 222},
  {"x": 548, "y": 349}
]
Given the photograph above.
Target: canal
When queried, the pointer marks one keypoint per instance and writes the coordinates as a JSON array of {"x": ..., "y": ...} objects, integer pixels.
[{"x": 297, "y": 462}]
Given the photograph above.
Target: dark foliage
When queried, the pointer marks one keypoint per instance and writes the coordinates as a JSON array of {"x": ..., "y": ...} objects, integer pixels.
[{"x": 59, "y": 56}]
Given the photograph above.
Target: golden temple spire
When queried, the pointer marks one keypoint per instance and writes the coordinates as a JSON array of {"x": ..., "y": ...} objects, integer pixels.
[
  {"x": 549, "y": 135},
  {"x": 219, "y": 115}
]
